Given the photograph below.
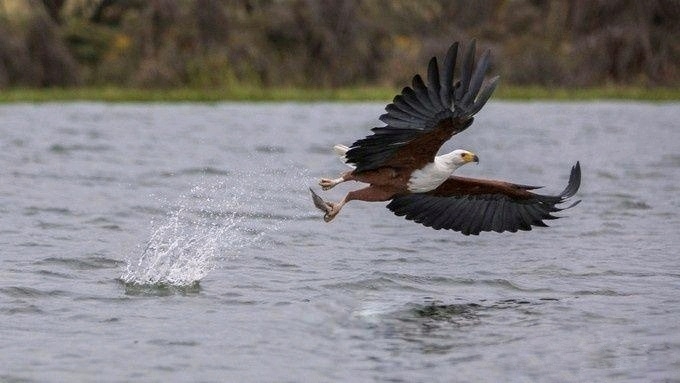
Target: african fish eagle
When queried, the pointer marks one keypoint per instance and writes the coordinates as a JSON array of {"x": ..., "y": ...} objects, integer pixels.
[{"x": 399, "y": 161}]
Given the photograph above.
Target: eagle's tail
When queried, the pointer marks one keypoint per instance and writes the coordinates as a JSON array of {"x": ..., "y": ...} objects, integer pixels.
[{"x": 341, "y": 150}]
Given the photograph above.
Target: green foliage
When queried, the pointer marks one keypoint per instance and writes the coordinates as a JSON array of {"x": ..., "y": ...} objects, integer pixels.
[
  {"x": 88, "y": 42},
  {"x": 210, "y": 71},
  {"x": 377, "y": 94},
  {"x": 226, "y": 46}
]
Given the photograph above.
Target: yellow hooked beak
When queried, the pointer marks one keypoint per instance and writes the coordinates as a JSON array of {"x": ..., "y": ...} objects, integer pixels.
[{"x": 470, "y": 157}]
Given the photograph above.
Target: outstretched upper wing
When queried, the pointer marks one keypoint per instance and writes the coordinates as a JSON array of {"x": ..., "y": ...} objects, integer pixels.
[
  {"x": 472, "y": 206},
  {"x": 423, "y": 117}
]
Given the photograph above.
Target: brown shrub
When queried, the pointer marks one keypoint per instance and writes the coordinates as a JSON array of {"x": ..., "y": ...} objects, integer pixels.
[{"x": 54, "y": 64}]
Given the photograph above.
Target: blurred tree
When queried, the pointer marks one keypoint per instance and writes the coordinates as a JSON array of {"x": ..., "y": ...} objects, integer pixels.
[
  {"x": 16, "y": 68},
  {"x": 54, "y": 65},
  {"x": 211, "y": 22},
  {"x": 53, "y": 8},
  {"x": 625, "y": 41},
  {"x": 333, "y": 43}
]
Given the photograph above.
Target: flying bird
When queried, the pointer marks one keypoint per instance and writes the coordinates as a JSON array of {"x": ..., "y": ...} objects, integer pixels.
[{"x": 399, "y": 161}]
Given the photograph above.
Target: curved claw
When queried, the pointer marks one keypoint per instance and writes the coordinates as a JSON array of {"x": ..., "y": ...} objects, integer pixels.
[
  {"x": 327, "y": 184},
  {"x": 331, "y": 213}
]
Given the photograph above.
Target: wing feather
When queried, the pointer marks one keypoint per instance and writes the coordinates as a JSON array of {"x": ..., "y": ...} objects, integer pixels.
[
  {"x": 477, "y": 78},
  {"x": 447, "y": 77},
  {"x": 466, "y": 71},
  {"x": 401, "y": 102},
  {"x": 472, "y": 217},
  {"x": 411, "y": 98},
  {"x": 487, "y": 220},
  {"x": 434, "y": 85},
  {"x": 422, "y": 94},
  {"x": 497, "y": 224},
  {"x": 524, "y": 217},
  {"x": 404, "y": 115},
  {"x": 533, "y": 213},
  {"x": 396, "y": 122},
  {"x": 515, "y": 218},
  {"x": 484, "y": 96},
  {"x": 472, "y": 206},
  {"x": 448, "y": 216},
  {"x": 425, "y": 114},
  {"x": 462, "y": 215}
]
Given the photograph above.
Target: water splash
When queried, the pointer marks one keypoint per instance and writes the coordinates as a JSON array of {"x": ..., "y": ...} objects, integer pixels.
[
  {"x": 212, "y": 223},
  {"x": 205, "y": 226}
]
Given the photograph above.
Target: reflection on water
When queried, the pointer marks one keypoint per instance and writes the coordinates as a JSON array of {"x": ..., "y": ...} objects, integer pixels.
[
  {"x": 160, "y": 289},
  {"x": 436, "y": 327}
]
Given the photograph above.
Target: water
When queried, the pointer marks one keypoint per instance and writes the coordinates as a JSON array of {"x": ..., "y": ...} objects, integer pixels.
[{"x": 163, "y": 243}]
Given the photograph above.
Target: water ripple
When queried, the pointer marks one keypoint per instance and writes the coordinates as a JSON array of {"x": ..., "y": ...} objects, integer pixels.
[
  {"x": 29, "y": 292},
  {"x": 26, "y": 309},
  {"x": 86, "y": 263},
  {"x": 374, "y": 284}
]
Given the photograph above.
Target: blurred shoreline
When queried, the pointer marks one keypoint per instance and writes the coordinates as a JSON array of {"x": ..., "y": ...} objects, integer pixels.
[{"x": 356, "y": 94}]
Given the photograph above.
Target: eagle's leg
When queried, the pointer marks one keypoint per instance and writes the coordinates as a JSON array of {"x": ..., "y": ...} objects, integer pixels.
[
  {"x": 368, "y": 194},
  {"x": 327, "y": 183}
]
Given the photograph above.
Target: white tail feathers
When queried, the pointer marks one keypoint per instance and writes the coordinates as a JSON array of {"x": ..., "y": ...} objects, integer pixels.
[{"x": 340, "y": 150}]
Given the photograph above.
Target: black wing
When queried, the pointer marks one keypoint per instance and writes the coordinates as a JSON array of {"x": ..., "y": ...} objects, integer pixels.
[
  {"x": 472, "y": 206},
  {"x": 423, "y": 117}
]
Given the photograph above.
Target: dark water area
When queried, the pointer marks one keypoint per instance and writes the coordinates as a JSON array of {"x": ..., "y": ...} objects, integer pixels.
[{"x": 178, "y": 242}]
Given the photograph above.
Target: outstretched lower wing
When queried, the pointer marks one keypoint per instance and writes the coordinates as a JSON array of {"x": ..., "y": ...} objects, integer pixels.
[
  {"x": 472, "y": 206},
  {"x": 423, "y": 117}
]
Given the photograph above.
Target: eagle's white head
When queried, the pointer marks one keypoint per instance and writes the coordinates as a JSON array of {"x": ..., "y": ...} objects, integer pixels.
[{"x": 457, "y": 158}]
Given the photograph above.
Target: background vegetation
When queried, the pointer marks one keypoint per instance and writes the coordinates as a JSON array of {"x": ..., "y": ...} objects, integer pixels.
[{"x": 224, "y": 45}]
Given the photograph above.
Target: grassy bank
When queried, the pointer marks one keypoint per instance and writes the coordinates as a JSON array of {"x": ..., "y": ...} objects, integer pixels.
[{"x": 382, "y": 94}]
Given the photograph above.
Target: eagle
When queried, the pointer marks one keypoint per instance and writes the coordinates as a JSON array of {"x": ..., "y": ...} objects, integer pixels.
[{"x": 399, "y": 161}]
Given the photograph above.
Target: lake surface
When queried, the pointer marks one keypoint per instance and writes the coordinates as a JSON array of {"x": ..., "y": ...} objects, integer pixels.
[{"x": 178, "y": 242}]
